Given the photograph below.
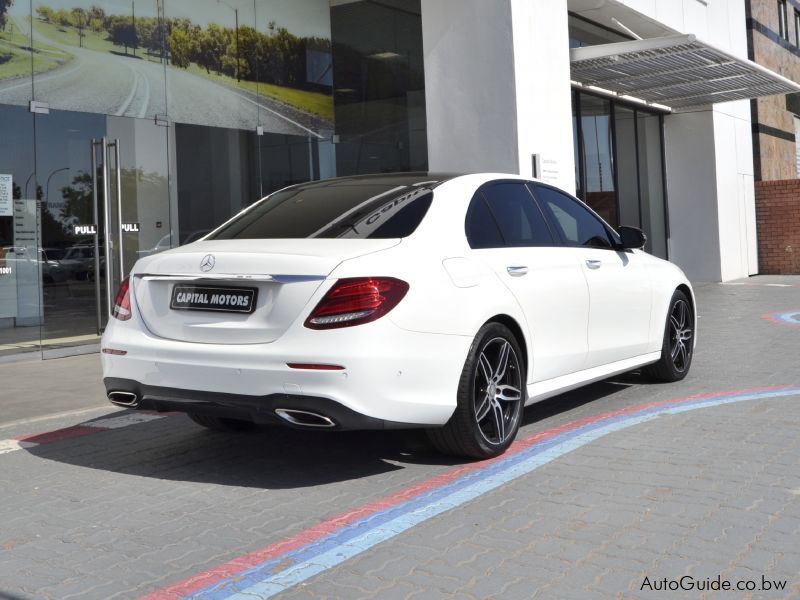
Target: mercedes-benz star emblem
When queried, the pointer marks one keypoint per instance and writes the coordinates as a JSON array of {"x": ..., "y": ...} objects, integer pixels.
[{"x": 207, "y": 263}]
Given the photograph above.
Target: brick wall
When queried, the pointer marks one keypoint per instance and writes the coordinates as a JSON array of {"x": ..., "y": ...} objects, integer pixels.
[{"x": 778, "y": 218}]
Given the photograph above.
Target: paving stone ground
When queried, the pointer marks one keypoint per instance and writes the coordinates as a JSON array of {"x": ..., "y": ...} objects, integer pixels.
[{"x": 710, "y": 492}]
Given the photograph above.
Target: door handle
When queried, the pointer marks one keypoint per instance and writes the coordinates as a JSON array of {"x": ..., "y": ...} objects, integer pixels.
[
  {"x": 593, "y": 263},
  {"x": 517, "y": 271}
]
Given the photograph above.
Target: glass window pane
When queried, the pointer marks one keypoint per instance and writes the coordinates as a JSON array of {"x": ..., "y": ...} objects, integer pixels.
[
  {"x": 519, "y": 219},
  {"x": 651, "y": 184},
  {"x": 578, "y": 226},
  {"x": 598, "y": 155},
  {"x": 482, "y": 231},
  {"x": 16, "y": 57},
  {"x": 379, "y": 87},
  {"x": 585, "y": 33},
  {"x": 20, "y": 278},
  {"x": 100, "y": 57},
  {"x": 627, "y": 177},
  {"x": 576, "y": 146}
]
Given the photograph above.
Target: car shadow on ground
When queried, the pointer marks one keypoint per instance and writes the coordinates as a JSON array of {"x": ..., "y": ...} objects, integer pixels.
[{"x": 174, "y": 448}]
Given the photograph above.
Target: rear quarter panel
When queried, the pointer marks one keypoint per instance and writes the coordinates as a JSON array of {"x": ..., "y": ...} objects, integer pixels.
[{"x": 450, "y": 292}]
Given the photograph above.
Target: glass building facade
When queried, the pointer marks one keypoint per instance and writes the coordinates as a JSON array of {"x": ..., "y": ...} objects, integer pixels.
[
  {"x": 128, "y": 127},
  {"x": 619, "y": 152}
]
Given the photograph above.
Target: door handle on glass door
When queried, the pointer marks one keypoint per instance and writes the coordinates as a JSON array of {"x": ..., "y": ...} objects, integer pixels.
[
  {"x": 517, "y": 271},
  {"x": 594, "y": 264}
]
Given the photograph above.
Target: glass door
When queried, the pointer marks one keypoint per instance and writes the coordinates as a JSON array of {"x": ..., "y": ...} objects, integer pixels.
[{"x": 105, "y": 203}]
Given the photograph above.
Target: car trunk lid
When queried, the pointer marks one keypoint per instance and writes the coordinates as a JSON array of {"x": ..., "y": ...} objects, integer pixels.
[{"x": 284, "y": 275}]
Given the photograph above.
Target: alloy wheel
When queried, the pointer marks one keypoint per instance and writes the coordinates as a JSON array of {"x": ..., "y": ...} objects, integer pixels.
[
  {"x": 497, "y": 391},
  {"x": 681, "y": 332}
]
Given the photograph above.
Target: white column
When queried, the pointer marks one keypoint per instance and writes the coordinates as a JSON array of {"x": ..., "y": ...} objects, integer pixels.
[
  {"x": 543, "y": 93},
  {"x": 497, "y": 86}
]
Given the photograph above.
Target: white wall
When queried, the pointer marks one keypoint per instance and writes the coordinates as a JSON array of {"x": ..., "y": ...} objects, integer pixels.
[
  {"x": 692, "y": 189},
  {"x": 469, "y": 85},
  {"x": 543, "y": 94},
  {"x": 497, "y": 87}
]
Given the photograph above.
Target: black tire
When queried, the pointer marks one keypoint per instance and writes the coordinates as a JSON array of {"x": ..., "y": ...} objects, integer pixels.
[
  {"x": 677, "y": 348},
  {"x": 467, "y": 434},
  {"x": 222, "y": 423}
]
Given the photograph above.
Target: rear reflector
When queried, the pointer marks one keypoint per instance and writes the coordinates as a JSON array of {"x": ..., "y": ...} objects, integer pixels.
[
  {"x": 355, "y": 301},
  {"x": 315, "y": 367}
]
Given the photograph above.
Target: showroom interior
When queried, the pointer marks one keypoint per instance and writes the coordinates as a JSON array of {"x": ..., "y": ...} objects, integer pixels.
[{"x": 132, "y": 127}]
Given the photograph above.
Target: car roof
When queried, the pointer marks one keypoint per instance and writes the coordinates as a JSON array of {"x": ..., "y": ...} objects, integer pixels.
[{"x": 430, "y": 179}]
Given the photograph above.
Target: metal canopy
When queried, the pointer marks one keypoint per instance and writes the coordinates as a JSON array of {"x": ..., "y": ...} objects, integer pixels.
[{"x": 676, "y": 72}]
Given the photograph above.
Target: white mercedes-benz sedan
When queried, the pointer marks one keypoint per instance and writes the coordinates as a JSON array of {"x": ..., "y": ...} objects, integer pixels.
[{"x": 396, "y": 301}]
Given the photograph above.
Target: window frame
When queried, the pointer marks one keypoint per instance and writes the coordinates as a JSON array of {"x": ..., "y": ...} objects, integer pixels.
[
  {"x": 797, "y": 27},
  {"x": 480, "y": 195},
  {"x": 616, "y": 240},
  {"x": 783, "y": 20}
]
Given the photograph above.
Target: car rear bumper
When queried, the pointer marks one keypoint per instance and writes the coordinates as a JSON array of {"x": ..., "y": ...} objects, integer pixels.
[
  {"x": 303, "y": 412},
  {"x": 390, "y": 377}
]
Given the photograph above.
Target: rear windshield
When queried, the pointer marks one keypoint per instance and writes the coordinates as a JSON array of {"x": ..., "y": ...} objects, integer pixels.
[{"x": 341, "y": 209}]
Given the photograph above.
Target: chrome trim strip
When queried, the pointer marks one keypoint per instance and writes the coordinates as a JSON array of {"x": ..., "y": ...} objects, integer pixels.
[{"x": 228, "y": 277}]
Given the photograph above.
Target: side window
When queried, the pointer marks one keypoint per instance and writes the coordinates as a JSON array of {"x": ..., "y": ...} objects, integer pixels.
[
  {"x": 577, "y": 225},
  {"x": 482, "y": 231},
  {"x": 517, "y": 215}
]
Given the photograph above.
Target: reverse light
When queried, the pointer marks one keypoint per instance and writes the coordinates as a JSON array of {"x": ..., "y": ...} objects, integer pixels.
[
  {"x": 122, "y": 303},
  {"x": 355, "y": 301}
]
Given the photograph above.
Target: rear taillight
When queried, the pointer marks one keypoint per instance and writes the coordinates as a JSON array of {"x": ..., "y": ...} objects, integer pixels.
[
  {"x": 355, "y": 301},
  {"x": 122, "y": 304}
]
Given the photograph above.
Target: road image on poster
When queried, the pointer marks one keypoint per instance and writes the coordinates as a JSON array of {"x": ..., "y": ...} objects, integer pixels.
[{"x": 228, "y": 63}]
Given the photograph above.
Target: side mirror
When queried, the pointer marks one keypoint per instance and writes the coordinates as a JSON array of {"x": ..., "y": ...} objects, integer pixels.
[{"x": 632, "y": 238}]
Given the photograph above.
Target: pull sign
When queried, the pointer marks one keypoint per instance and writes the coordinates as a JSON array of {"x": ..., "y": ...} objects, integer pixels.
[
  {"x": 85, "y": 229},
  {"x": 130, "y": 227}
]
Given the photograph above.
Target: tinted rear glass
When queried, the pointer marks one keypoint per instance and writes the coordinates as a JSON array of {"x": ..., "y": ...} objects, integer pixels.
[{"x": 376, "y": 209}]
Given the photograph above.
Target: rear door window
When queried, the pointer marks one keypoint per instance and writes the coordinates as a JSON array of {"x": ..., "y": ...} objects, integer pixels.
[{"x": 516, "y": 215}]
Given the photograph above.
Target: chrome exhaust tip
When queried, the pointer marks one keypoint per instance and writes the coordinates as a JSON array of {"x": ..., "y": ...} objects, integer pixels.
[
  {"x": 124, "y": 399},
  {"x": 304, "y": 418}
]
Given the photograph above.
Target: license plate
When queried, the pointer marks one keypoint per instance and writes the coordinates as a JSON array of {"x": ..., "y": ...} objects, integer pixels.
[{"x": 213, "y": 298}]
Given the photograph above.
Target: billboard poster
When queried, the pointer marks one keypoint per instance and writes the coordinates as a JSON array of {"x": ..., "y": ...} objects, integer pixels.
[{"x": 227, "y": 63}]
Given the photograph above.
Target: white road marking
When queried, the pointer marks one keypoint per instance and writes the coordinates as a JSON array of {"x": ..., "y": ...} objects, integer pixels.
[
  {"x": 122, "y": 420},
  {"x": 129, "y": 99},
  {"x": 146, "y": 103},
  {"x": 61, "y": 415},
  {"x": 277, "y": 114},
  {"x": 7, "y": 446},
  {"x": 63, "y": 340},
  {"x": 778, "y": 285}
]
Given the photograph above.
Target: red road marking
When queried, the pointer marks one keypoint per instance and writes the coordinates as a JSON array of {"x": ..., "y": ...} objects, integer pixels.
[
  {"x": 201, "y": 580},
  {"x": 60, "y": 434}
]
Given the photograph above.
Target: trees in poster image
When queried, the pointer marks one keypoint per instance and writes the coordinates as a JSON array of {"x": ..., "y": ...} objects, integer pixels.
[
  {"x": 275, "y": 56},
  {"x": 4, "y": 6}
]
